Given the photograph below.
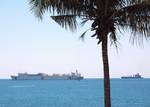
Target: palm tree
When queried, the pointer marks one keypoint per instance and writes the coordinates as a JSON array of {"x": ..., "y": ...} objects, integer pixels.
[{"x": 107, "y": 17}]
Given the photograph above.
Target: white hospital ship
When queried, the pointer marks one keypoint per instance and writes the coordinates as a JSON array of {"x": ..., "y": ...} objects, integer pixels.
[{"x": 43, "y": 76}]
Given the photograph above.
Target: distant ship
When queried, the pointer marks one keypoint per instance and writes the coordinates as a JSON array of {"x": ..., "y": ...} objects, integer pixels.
[
  {"x": 136, "y": 76},
  {"x": 43, "y": 76}
]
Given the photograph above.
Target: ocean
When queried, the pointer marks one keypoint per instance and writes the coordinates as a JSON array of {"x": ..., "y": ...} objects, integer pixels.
[{"x": 73, "y": 93}]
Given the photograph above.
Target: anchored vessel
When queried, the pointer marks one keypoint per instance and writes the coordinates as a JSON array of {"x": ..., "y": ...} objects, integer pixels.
[
  {"x": 136, "y": 76},
  {"x": 43, "y": 76}
]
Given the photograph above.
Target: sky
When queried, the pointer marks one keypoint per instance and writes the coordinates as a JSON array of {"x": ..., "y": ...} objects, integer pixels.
[{"x": 28, "y": 44}]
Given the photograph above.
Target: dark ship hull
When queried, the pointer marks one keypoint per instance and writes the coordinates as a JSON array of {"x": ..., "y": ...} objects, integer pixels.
[
  {"x": 131, "y": 77},
  {"x": 136, "y": 76}
]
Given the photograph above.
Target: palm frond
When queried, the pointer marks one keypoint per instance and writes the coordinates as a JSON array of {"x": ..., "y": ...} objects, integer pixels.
[
  {"x": 136, "y": 17},
  {"x": 57, "y": 7},
  {"x": 66, "y": 21},
  {"x": 105, "y": 14},
  {"x": 84, "y": 21},
  {"x": 83, "y": 35}
]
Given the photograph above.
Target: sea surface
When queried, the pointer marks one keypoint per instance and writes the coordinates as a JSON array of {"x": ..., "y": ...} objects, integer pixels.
[{"x": 73, "y": 93}]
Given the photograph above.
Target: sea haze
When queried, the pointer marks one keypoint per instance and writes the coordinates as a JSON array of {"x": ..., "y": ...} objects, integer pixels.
[{"x": 73, "y": 93}]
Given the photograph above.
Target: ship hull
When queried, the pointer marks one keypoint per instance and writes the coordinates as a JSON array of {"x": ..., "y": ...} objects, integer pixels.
[
  {"x": 69, "y": 78},
  {"x": 130, "y": 78}
]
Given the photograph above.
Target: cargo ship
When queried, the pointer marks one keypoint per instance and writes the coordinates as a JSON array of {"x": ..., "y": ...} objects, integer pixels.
[
  {"x": 43, "y": 76},
  {"x": 136, "y": 76}
]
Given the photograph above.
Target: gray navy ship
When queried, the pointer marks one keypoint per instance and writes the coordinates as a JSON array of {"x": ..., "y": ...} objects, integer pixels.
[
  {"x": 43, "y": 76},
  {"x": 136, "y": 76}
]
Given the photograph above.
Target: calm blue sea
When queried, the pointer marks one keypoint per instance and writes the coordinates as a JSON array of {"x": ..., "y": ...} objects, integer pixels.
[{"x": 72, "y": 93}]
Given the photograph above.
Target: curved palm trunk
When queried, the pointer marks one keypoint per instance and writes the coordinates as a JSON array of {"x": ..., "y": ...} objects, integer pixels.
[{"x": 107, "y": 96}]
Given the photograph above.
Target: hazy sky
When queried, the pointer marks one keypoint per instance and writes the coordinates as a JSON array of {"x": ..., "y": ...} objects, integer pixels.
[{"x": 30, "y": 45}]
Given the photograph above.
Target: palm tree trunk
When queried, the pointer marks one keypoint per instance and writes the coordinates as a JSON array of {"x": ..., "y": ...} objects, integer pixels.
[{"x": 107, "y": 96}]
